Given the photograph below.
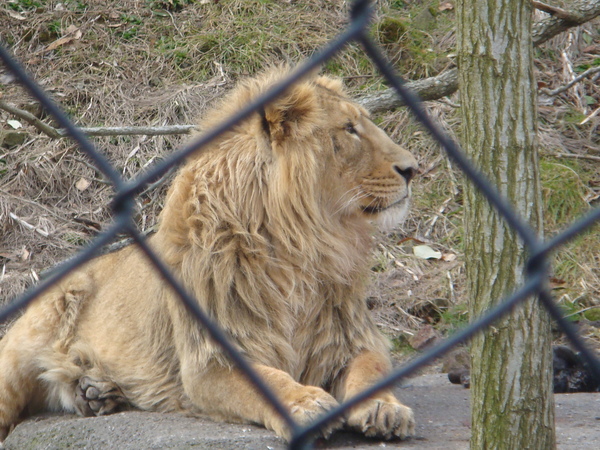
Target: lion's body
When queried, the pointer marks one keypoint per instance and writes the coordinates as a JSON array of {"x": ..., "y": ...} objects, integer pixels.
[{"x": 269, "y": 230}]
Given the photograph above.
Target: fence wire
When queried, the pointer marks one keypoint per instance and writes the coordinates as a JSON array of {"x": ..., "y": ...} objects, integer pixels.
[{"x": 123, "y": 210}]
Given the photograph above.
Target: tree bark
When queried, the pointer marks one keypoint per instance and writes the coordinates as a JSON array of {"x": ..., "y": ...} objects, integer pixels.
[{"x": 511, "y": 363}]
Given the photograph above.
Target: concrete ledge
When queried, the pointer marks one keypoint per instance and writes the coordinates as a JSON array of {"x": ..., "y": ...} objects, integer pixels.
[{"x": 441, "y": 410}]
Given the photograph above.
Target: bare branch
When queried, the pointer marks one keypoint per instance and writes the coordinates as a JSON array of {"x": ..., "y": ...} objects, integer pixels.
[
  {"x": 553, "y": 10},
  {"x": 590, "y": 117},
  {"x": 570, "y": 84},
  {"x": 133, "y": 131}
]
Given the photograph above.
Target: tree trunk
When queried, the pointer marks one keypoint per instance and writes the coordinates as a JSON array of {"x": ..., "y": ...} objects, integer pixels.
[{"x": 511, "y": 363}]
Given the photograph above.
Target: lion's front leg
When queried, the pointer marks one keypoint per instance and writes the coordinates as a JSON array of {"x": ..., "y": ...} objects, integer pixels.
[
  {"x": 382, "y": 415},
  {"x": 227, "y": 394}
]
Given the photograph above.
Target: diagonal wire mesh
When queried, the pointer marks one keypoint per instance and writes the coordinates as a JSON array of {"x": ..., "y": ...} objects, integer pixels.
[{"x": 536, "y": 267}]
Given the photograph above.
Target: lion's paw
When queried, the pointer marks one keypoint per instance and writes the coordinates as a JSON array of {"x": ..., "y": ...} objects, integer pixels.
[
  {"x": 308, "y": 405},
  {"x": 98, "y": 398},
  {"x": 383, "y": 419}
]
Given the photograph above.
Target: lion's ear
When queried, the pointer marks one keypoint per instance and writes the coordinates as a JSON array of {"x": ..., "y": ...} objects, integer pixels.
[{"x": 294, "y": 114}]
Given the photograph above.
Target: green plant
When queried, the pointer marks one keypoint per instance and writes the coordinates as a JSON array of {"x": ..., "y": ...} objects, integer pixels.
[
  {"x": 170, "y": 5},
  {"x": 563, "y": 192},
  {"x": 454, "y": 318},
  {"x": 24, "y": 5},
  {"x": 400, "y": 345},
  {"x": 55, "y": 27}
]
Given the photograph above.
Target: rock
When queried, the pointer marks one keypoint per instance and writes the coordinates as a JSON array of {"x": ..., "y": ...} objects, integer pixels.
[
  {"x": 12, "y": 138},
  {"x": 425, "y": 337},
  {"x": 135, "y": 430},
  {"x": 458, "y": 360}
]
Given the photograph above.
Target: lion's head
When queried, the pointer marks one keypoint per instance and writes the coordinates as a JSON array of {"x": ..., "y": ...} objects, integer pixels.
[{"x": 319, "y": 150}]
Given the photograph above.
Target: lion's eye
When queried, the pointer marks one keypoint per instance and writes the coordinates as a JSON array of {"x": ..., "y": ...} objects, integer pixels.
[{"x": 350, "y": 128}]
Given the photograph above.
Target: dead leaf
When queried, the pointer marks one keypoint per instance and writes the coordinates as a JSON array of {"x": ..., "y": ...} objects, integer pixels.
[
  {"x": 426, "y": 252},
  {"x": 72, "y": 33},
  {"x": 406, "y": 239},
  {"x": 83, "y": 184},
  {"x": 446, "y": 6},
  {"x": 448, "y": 257},
  {"x": 15, "y": 124},
  {"x": 24, "y": 255},
  {"x": 557, "y": 283},
  {"x": 15, "y": 15}
]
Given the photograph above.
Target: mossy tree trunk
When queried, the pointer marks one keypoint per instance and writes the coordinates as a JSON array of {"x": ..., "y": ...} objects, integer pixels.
[{"x": 511, "y": 373}]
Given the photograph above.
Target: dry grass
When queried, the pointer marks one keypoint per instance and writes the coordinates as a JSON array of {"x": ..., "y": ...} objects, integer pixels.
[{"x": 136, "y": 63}]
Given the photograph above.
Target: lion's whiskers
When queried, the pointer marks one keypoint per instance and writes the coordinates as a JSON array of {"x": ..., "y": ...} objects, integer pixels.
[{"x": 359, "y": 194}]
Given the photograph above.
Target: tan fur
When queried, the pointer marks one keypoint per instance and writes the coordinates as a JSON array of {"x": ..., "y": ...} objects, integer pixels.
[{"x": 270, "y": 230}]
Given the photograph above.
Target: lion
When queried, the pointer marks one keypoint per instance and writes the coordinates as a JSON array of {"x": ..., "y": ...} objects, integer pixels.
[{"x": 269, "y": 228}]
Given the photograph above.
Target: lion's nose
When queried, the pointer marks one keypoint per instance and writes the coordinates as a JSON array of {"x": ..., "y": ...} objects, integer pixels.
[{"x": 408, "y": 173}]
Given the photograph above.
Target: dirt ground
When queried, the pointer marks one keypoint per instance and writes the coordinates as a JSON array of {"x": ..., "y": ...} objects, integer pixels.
[{"x": 441, "y": 410}]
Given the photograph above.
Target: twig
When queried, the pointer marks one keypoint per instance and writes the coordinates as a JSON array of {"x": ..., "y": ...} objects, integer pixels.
[
  {"x": 590, "y": 117},
  {"x": 28, "y": 225},
  {"x": 575, "y": 156},
  {"x": 160, "y": 181},
  {"x": 34, "y": 203},
  {"x": 570, "y": 84},
  {"x": 436, "y": 217},
  {"x": 102, "y": 178},
  {"x": 581, "y": 310}
]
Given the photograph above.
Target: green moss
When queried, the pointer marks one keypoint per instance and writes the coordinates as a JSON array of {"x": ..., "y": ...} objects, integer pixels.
[{"x": 391, "y": 30}]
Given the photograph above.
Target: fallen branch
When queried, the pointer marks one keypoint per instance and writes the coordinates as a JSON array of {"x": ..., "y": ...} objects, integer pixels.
[
  {"x": 31, "y": 119},
  {"x": 442, "y": 85},
  {"x": 133, "y": 131},
  {"x": 576, "y": 156},
  {"x": 57, "y": 133},
  {"x": 575, "y": 80}
]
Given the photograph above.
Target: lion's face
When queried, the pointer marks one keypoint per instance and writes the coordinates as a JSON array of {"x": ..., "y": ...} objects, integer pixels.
[{"x": 369, "y": 174}]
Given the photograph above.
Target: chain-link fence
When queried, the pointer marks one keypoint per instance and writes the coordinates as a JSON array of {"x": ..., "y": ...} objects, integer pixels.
[{"x": 123, "y": 209}]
